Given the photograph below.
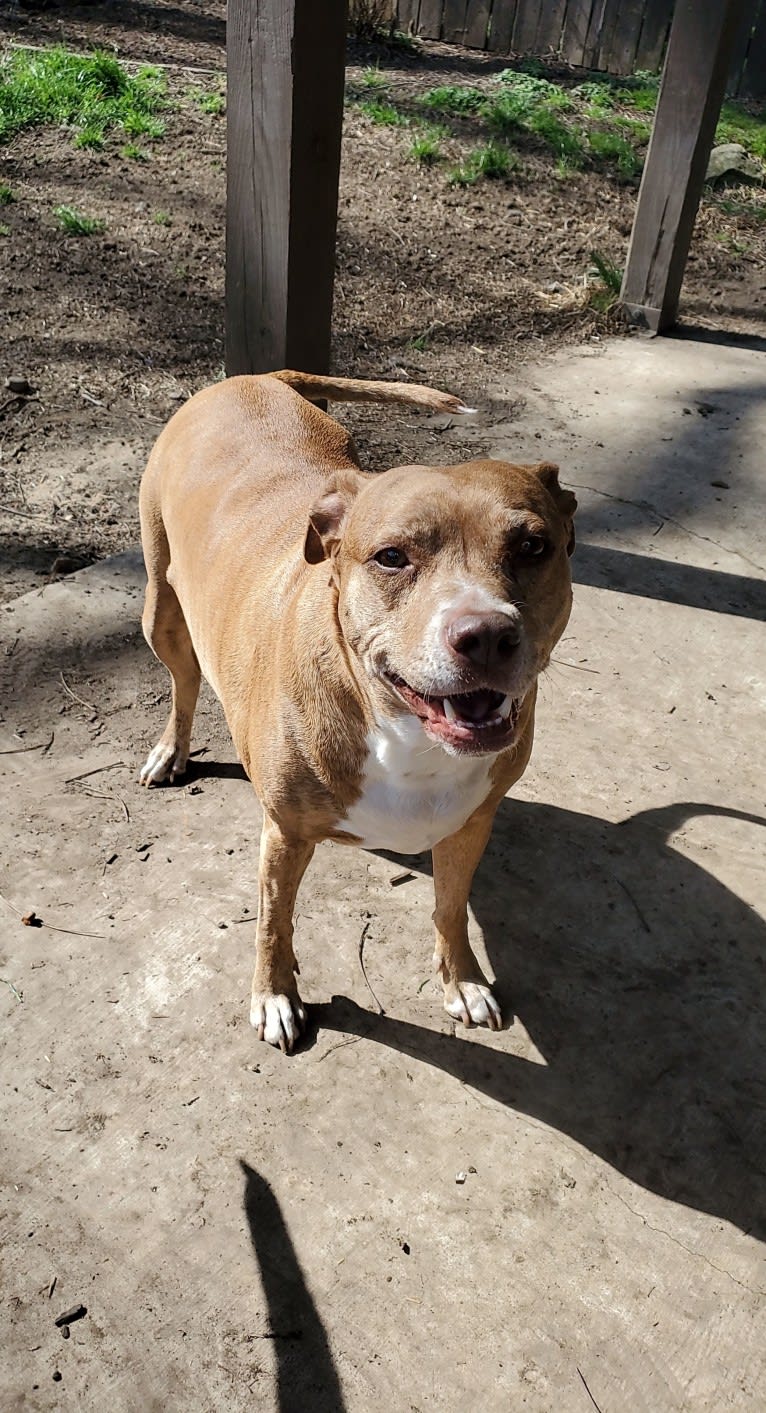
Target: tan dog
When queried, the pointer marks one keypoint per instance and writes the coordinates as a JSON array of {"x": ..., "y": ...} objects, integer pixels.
[{"x": 375, "y": 641}]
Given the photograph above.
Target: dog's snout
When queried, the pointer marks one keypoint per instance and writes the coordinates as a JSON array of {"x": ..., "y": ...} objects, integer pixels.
[{"x": 488, "y": 640}]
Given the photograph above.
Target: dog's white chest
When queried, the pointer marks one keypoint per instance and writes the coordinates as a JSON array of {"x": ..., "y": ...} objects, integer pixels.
[{"x": 413, "y": 793}]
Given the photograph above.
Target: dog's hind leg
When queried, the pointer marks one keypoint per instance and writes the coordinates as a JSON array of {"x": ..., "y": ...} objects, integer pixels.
[{"x": 168, "y": 636}]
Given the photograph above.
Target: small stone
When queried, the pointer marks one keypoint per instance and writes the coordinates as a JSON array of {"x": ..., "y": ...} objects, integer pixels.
[
  {"x": 460, "y": 1178},
  {"x": 20, "y": 386}
]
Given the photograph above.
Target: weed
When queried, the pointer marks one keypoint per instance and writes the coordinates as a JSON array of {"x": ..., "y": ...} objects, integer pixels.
[
  {"x": 212, "y": 103},
  {"x": 493, "y": 161},
  {"x": 425, "y": 149},
  {"x": 134, "y": 153},
  {"x": 90, "y": 94},
  {"x": 565, "y": 141},
  {"x": 4, "y": 230},
  {"x": 6, "y": 195},
  {"x": 137, "y": 124},
  {"x": 162, "y": 218},
  {"x": 371, "y": 77},
  {"x": 605, "y": 292},
  {"x": 384, "y": 114},
  {"x": 612, "y": 147},
  {"x": 369, "y": 19},
  {"x": 73, "y": 222},
  {"x": 453, "y": 102},
  {"x": 92, "y": 138}
]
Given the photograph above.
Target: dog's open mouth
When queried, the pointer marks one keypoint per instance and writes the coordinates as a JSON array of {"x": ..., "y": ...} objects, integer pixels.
[{"x": 475, "y": 721}]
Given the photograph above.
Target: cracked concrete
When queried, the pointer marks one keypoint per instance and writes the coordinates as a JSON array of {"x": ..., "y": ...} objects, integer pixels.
[{"x": 247, "y": 1230}]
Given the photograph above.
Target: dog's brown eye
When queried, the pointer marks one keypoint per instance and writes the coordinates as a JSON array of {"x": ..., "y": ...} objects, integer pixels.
[
  {"x": 532, "y": 546},
  {"x": 392, "y": 558}
]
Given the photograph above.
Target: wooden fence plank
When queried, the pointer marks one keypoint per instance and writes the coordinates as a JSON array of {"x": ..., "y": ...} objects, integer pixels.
[
  {"x": 479, "y": 18},
  {"x": 625, "y": 41},
  {"x": 501, "y": 26},
  {"x": 618, "y": 52},
  {"x": 693, "y": 83},
  {"x": 285, "y": 109},
  {"x": 752, "y": 83},
  {"x": 407, "y": 16},
  {"x": 654, "y": 34},
  {"x": 550, "y": 26},
  {"x": 592, "y": 43},
  {"x": 430, "y": 18},
  {"x": 454, "y": 21},
  {"x": 743, "y": 45},
  {"x": 576, "y": 28},
  {"x": 524, "y": 39}
]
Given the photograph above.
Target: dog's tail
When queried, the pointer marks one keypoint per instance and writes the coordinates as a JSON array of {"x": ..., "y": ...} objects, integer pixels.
[{"x": 359, "y": 390}]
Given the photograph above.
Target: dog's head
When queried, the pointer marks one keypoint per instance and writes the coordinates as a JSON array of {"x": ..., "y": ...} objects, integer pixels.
[{"x": 453, "y": 587}]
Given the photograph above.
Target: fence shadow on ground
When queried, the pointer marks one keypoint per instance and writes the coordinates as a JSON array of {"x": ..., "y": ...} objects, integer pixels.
[
  {"x": 306, "y": 1374},
  {"x": 638, "y": 976}
]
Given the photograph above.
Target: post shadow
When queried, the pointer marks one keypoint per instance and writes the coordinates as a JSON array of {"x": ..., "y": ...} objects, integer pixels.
[
  {"x": 639, "y": 977},
  {"x": 306, "y": 1373}
]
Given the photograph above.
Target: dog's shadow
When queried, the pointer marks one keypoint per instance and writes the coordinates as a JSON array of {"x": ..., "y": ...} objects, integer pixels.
[{"x": 639, "y": 978}]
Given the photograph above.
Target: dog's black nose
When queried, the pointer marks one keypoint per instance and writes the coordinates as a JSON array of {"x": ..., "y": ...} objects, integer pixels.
[{"x": 488, "y": 640}]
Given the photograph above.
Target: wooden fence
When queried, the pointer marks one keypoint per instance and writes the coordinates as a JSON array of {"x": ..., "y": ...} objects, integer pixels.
[{"x": 613, "y": 36}]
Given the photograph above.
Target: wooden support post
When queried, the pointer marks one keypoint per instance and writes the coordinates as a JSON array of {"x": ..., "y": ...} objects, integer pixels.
[
  {"x": 694, "y": 78},
  {"x": 285, "y": 63}
]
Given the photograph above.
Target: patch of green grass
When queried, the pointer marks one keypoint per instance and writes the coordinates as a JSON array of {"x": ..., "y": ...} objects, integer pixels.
[
  {"x": 493, "y": 162},
  {"x": 384, "y": 114},
  {"x": 737, "y": 125},
  {"x": 92, "y": 138},
  {"x": 4, "y": 230},
  {"x": 614, "y": 149},
  {"x": 134, "y": 153},
  {"x": 7, "y": 197},
  {"x": 565, "y": 141},
  {"x": 605, "y": 292},
  {"x": 207, "y": 102},
  {"x": 425, "y": 149},
  {"x": 371, "y": 77},
  {"x": 89, "y": 94},
  {"x": 453, "y": 102},
  {"x": 73, "y": 222},
  {"x": 162, "y": 218},
  {"x": 137, "y": 124}
]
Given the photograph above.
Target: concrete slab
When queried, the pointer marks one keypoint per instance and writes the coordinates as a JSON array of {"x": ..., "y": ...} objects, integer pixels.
[{"x": 247, "y": 1230}]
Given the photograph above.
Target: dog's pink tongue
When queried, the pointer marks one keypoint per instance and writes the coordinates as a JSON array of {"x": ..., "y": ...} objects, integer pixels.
[{"x": 475, "y": 706}]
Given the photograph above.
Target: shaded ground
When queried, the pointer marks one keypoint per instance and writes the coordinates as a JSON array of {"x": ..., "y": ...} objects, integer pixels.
[{"x": 452, "y": 285}]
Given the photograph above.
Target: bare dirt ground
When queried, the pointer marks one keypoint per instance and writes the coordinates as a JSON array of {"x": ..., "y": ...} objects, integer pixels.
[
  {"x": 450, "y": 285},
  {"x": 403, "y": 1216}
]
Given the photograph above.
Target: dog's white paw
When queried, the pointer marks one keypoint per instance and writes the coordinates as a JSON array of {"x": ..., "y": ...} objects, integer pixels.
[
  {"x": 163, "y": 763},
  {"x": 277, "y": 1019},
  {"x": 472, "y": 1003}
]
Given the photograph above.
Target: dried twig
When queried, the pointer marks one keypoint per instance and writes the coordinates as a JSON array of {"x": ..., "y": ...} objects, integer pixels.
[
  {"x": 587, "y": 1390},
  {"x": 628, "y": 894},
  {"x": 40, "y": 746},
  {"x": 362, "y": 941},
  {"x": 70, "y": 931},
  {"x": 113, "y": 765},
  {"x": 90, "y": 705},
  {"x": 103, "y": 795},
  {"x": 12, "y": 988}
]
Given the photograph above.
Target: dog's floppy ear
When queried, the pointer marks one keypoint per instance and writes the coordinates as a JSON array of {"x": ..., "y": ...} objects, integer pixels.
[
  {"x": 327, "y": 517},
  {"x": 566, "y": 502}
]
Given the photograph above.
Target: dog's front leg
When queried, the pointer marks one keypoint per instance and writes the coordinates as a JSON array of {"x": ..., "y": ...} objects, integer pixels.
[
  {"x": 467, "y": 995},
  {"x": 276, "y": 1011}
]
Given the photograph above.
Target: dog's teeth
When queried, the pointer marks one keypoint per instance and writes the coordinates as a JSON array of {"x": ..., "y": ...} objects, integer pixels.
[
  {"x": 449, "y": 710},
  {"x": 505, "y": 708}
]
